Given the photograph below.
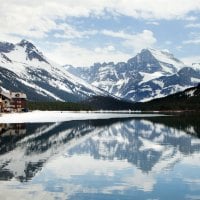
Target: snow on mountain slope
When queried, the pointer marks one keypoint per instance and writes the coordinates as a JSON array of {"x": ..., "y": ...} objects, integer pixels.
[
  {"x": 196, "y": 66},
  {"x": 149, "y": 60},
  {"x": 167, "y": 60},
  {"x": 150, "y": 74},
  {"x": 23, "y": 67},
  {"x": 191, "y": 92}
]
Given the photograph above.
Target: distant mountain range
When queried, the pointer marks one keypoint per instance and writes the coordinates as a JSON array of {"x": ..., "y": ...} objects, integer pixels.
[
  {"x": 150, "y": 74},
  {"x": 24, "y": 68},
  {"x": 186, "y": 100}
]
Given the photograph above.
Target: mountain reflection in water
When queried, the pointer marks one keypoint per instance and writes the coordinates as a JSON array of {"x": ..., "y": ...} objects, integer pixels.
[{"x": 102, "y": 159}]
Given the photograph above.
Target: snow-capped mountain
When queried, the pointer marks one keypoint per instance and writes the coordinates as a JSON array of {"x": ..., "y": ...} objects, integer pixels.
[
  {"x": 24, "y": 68},
  {"x": 150, "y": 74},
  {"x": 196, "y": 66}
]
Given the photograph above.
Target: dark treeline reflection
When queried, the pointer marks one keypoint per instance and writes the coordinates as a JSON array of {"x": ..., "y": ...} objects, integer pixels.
[
  {"x": 181, "y": 121},
  {"x": 24, "y": 148}
]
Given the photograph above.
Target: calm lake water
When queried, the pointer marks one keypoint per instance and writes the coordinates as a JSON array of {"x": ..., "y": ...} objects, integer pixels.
[{"x": 149, "y": 158}]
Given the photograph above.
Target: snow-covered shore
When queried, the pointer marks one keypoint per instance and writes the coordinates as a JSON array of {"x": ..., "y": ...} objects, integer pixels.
[{"x": 61, "y": 116}]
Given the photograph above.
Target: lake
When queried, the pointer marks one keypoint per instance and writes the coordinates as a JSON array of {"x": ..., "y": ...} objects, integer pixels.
[{"x": 145, "y": 158}]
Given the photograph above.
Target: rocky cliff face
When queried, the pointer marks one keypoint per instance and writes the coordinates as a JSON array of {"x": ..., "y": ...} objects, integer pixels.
[
  {"x": 24, "y": 68},
  {"x": 150, "y": 74}
]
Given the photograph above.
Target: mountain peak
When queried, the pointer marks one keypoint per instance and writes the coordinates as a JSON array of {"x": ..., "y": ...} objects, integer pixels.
[
  {"x": 32, "y": 51},
  {"x": 6, "y": 47},
  {"x": 154, "y": 51},
  {"x": 27, "y": 68},
  {"x": 27, "y": 44},
  {"x": 147, "y": 50},
  {"x": 151, "y": 60},
  {"x": 24, "y": 41},
  {"x": 165, "y": 56}
]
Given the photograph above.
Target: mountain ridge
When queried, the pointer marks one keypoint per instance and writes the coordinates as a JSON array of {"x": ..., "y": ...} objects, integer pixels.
[
  {"x": 25, "y": 68},
  {"x": 148, "y": 75},
  {"x": 187, "y": 100}
]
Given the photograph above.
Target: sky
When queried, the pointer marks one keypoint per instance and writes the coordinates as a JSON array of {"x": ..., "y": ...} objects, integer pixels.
[{"x": 83, "y": 32}]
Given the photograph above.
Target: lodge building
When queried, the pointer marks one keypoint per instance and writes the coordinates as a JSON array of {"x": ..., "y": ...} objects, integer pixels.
[{"x": 12, "y": 101}]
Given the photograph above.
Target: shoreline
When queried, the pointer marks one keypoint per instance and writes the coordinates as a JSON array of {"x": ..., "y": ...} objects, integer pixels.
[{"x": 62, "y": 116}]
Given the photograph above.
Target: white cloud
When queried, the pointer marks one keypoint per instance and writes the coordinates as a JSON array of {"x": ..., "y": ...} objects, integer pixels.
[
  {"x": 136, "y": 41},
  {"x": 179, "y": 48},
  {"x": 194, "y": 39},
  {"x": 108, "y": 48},
  {"x": 36, "y": 18},
  {"x": 9, "y": 38},
  {"x": 67, "y": 53},
  {"x": 157, "y": 9},
  {"x": 193, "y": 25},
  {"x": 153, "y": 23},
  {"x": 120, "y": 34},
  {"x": 191, "y": 18},
  {"x": 69, "y": 32}
]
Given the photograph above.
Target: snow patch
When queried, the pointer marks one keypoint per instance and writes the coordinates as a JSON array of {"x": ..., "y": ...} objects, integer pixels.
[
  {"x": 190, "y": 93},
  {"x": 168, "y": 58},
  {"x": 61, "y": 116},
  {"x": 150, "y": 76},
  {"x": 195, "y": 80}
]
